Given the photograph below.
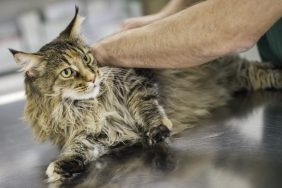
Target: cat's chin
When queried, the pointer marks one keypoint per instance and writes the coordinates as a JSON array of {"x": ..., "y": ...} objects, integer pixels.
[{"x": 70, "y": 94}]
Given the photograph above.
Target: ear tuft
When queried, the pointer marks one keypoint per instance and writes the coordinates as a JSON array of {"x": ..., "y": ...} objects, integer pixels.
[
  {"x": 76, "y": 9},
  {"x": 14, "y": 52},
  {"x": 73, "y": 29}
]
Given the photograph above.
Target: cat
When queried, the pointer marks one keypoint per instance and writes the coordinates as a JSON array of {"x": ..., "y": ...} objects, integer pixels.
[{"x": 87, "y": 109}]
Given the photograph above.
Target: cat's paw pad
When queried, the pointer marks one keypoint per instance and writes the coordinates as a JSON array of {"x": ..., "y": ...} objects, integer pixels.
[
  {"x": 157, "y": 134},
  {"x": 64, "y": 168}
]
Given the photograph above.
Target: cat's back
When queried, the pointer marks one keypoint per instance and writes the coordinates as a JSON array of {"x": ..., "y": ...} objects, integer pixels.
[{"x": 188, "y": 94}]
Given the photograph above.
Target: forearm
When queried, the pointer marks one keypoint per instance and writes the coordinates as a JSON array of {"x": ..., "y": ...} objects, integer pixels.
[
  {"x": 172, "y": 7},
  {"x": 194, "y": 36}
]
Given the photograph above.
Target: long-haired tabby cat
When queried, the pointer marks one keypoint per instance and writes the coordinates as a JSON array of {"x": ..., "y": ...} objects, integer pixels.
[{"x": 87, "y": 109}]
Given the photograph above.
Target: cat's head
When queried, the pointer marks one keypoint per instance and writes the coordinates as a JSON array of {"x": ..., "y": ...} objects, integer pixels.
[{"x": 64, "y": 67}]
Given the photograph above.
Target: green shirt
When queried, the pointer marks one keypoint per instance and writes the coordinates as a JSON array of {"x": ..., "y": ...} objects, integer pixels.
[{"x": 270, "y": 45}]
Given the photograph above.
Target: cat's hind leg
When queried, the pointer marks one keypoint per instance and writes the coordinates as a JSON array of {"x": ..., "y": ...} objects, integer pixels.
[{"x": 142, "y": 101}]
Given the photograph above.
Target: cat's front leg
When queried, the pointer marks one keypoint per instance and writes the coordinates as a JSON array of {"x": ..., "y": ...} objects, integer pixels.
[
  {"x": 143, "y": 103},
  {"x": 74, "y": 158}
]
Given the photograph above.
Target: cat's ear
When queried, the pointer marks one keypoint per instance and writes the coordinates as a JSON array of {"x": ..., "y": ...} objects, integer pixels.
[
  {"x": 27, "y": 61},
  {"x": 73, "y": 29}
]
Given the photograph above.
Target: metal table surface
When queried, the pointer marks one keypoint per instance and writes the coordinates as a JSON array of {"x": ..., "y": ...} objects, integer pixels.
[{"x": 239, "y": 146}]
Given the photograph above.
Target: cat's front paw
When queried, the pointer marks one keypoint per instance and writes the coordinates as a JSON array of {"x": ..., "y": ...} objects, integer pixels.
[
  {"x": 157, "y": 134},
  {"x": 63, "y": 168}
]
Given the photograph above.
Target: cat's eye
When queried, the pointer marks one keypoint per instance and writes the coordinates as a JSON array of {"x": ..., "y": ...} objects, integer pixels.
[{"x": 68, "y": 72}]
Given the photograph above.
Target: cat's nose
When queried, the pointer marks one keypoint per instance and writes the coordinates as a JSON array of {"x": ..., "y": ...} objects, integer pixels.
[{"x": 91, "y": 78}]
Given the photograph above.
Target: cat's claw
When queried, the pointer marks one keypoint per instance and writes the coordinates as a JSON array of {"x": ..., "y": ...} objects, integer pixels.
[{"x": 157, "y": 134}]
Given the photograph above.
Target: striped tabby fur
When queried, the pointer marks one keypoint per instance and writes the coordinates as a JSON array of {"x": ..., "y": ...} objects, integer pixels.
[{"x": 97, "y": 108}]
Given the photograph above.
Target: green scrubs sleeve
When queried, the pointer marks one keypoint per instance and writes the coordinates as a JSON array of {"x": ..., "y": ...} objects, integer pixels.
[{"x": 270, "y": 45}]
